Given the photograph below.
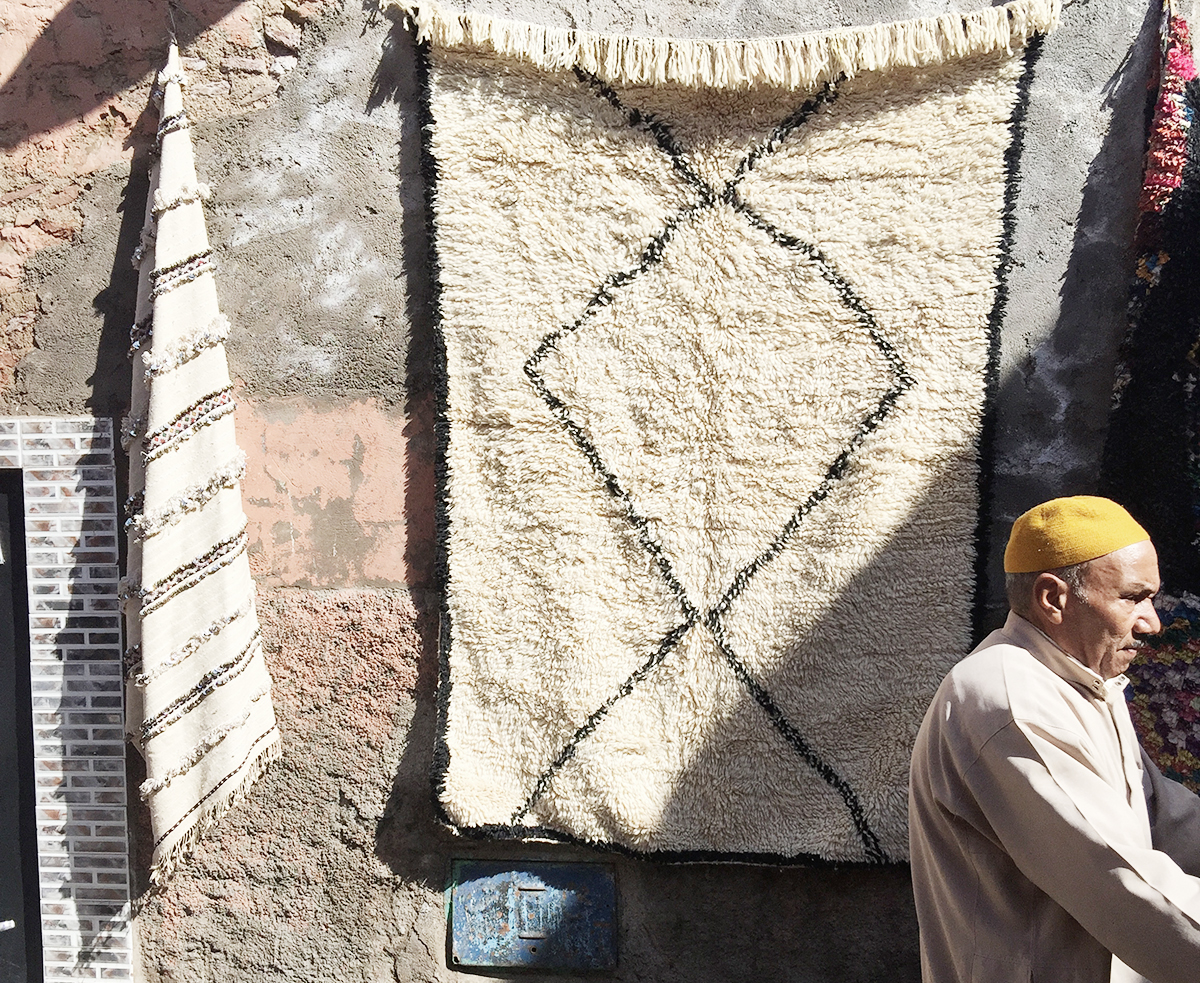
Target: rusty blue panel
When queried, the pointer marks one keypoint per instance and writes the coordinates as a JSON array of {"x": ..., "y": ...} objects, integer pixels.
[{"x": 543, "y": 916}]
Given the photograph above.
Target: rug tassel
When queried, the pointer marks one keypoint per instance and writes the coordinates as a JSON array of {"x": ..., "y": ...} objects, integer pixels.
[
  {"x": 164, "y": 866},
  {"x": 795, "y": 61}
]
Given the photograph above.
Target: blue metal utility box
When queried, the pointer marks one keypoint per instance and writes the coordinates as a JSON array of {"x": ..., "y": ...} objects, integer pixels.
[{"x": 543, "y": 916}]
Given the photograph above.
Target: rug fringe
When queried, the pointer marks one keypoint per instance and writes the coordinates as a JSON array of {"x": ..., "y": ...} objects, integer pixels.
[
  {"x": 792, "y": 61},
  {"x": 164, "y": 866}
]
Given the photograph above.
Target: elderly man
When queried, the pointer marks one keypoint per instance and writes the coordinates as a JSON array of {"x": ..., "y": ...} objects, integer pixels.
[{"x": 1045, "y": 845}]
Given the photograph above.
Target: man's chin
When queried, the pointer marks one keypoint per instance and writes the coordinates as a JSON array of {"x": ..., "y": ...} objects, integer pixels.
[{"x": 1124, "y": 659}]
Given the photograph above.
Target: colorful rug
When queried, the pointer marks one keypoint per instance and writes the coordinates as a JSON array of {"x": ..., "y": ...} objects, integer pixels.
[
  {"x": 718, "y": 330},
  {"x": 1164, "y": 699},
  {"x": 199, "y": 696},
  {"x": 1152, "y": 455}
]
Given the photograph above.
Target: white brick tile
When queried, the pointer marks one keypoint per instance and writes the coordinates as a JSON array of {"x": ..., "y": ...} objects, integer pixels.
[{"x": 71, "y": 516}]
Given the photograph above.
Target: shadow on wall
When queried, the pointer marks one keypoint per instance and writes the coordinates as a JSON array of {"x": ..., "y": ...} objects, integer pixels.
[
  {"x": 396, "y": 77},
  {"x": 87, "y": 56},
  {"x": 95, "y": 864},
  {"x": 90, "y": 52},
  {"x": 402, "y": 838},
  {"x": 109, "y": 386},
  {"x": 398, "y": 81},
  {"x": 1052, "y": 409}
]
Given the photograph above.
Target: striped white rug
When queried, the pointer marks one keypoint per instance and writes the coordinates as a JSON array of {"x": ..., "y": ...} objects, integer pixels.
[
  {"x": 718, "y": 328},
  {"x": 199, "y": 700}
]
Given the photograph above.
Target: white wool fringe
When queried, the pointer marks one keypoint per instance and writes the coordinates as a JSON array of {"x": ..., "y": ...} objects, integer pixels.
[
  {"x": 193, "y": 644},
  {"x": 791, "y": 61},
  {"x": 266, "y": 751},
  {"x": 185, "y": 195},
  {"x": 195, "y": 496},
  {"x": 206, "y": 336},
  {"x": 214, "y": 737}
]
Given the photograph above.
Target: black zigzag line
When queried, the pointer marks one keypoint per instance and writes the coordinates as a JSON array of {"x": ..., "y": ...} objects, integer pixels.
[
  {"x": 604, "y": 296},
  {"x": 665, "y": 647},
  {"x": 837, "y": 469},
  {"x": 798, "y": 117},
  {"x": 661, "y": 132},
  {"x": 651, "y": 256},
  {"x": 839, "y": 283},
  {"x": 875, "y": 852},
  {"x": 714, "y": 618}
]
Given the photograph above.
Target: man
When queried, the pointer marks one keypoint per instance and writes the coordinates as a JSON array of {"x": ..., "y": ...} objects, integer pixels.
[{"x": 1045, "y": 845}]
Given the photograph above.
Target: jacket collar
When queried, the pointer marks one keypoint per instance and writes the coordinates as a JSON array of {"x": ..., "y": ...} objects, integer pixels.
[{"x": 1031, "y": 638}]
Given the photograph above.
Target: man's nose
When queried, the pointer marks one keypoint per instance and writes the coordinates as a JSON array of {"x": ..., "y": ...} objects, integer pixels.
[{"x": 1149, "y": 618}]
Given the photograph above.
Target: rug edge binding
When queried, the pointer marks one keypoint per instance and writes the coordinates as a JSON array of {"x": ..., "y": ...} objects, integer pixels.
[
  {"x": 440, "y": 764},
  {"x": 499, "y": 832},
  {"x": 794, "y": 61}
]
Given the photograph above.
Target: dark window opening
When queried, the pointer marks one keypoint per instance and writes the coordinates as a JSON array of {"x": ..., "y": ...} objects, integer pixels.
[{"x": 20, "y": 908}]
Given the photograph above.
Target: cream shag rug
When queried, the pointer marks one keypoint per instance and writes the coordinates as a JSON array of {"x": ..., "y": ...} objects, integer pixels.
[
  {"x": 718, "y": 327},
  {"x": 199, "y": 696}
]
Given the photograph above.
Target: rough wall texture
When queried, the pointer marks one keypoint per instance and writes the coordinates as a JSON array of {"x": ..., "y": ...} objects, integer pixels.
[
  {"x": 292, "y": 888},
  {"x": 73, "y": 103},
  {"x": 1069, "y": 284},
  {"x": 305, "y": 126}
]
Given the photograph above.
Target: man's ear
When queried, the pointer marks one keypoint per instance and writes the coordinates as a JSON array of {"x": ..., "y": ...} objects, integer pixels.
[{"x": 1050, "y": 597}]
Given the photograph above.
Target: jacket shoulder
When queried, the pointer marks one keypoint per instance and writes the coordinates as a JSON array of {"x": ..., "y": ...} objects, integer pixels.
[
  {"x": 985, "y": 678},
  {"x": 975, "y": 700}
]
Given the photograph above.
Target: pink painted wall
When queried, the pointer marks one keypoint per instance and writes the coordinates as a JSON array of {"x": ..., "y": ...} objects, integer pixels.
[
  {"x": 75, "y": 77},
  {"x": 328, "y": 493}
]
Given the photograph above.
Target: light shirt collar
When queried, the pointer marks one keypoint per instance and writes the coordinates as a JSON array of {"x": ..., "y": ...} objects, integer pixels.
[{"x": 1041, "y": 647}]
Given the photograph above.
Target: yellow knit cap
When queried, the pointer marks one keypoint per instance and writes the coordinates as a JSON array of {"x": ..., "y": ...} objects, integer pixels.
[{"x": 1066, "y": 531}]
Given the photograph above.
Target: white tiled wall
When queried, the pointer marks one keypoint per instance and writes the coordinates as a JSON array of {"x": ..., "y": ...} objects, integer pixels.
[{"x": 71, "y": 531}]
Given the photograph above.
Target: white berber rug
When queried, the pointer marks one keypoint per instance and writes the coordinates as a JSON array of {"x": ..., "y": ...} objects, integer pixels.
[{"x": 718, "y": 322}]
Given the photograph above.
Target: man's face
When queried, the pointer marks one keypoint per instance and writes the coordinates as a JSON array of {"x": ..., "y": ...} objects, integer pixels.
[{"x": 1102, "y": 628}]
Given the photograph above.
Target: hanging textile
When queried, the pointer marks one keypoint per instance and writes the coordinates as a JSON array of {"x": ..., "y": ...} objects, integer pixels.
[
  {"x": 199, "y": 705},
  {"x": 719, "y": 323},
  {"x": 1152, "y": 453}
]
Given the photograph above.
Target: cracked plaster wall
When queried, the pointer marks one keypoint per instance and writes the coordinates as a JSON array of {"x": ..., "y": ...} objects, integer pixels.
[{"x": 305, "y": 127}]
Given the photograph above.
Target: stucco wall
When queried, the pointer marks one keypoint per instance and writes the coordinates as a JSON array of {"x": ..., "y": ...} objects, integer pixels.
[{"x": 305, "y": 127}]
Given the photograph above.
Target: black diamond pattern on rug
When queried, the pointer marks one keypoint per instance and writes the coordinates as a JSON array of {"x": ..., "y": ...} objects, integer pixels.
[{"x": 672, "y": 487}]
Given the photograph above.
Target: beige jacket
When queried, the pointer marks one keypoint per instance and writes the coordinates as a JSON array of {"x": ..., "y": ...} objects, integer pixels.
[{"x": 1040, "y": 833}]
